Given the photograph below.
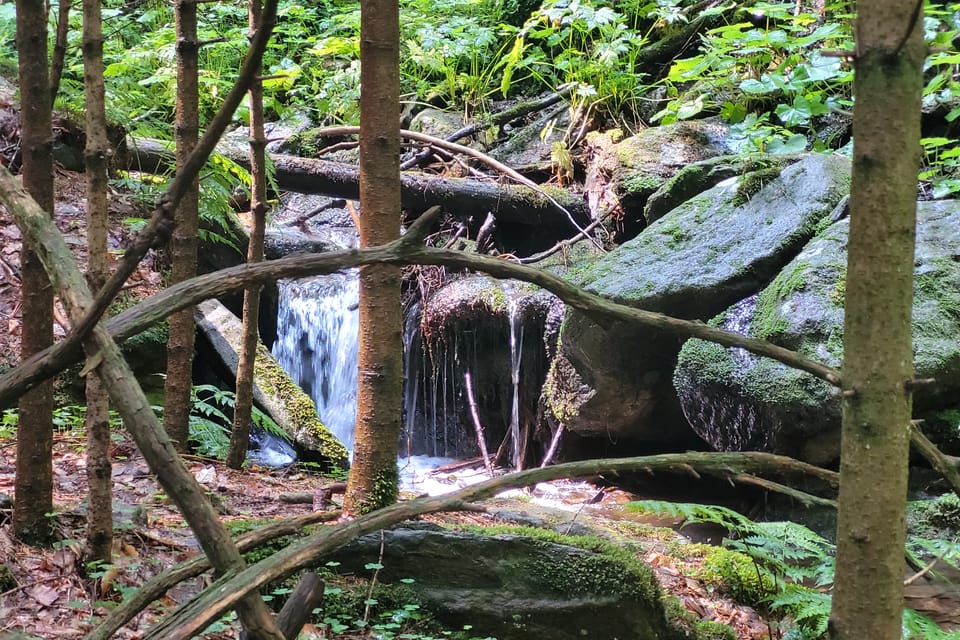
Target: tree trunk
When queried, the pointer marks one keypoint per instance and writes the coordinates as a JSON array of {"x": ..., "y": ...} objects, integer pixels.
[
  {"x": 183, "y": 242},
  {"x": 373, "y": 478},
  {"x": 34, "y": 479},
  {"x": 59, "y": 48},
  {"x": 878, "y": 357},
  {"x": 104, "y": 355},
  {"x": 96, "y": 158},
  {"x": 251, "y": 295}
]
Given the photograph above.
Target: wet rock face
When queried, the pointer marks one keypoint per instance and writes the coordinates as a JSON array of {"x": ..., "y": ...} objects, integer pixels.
[
  {"x": 517, "y": 588},
  {"x": 495, "y": 331},
  {"x": 736, "y": 401},
  {"x": 715, "y": 249}
]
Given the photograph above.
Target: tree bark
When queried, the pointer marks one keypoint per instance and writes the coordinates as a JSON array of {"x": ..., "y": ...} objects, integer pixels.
[
  {"x": 59, "y": 48},
  {"x": 183, "y": 242},
  {"x": 878, "y": 356},
  {"x": 104, "y": 356},
  {"x": 243, "y": 406},
  {"x": 373, "y": 481},
  {"x": 34, "y": 478},
  {"x": 99, "y": 544}
]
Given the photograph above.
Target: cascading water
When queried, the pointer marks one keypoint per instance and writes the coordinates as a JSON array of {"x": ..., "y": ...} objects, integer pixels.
[
  {"x": 516, "y": 350},
  {"x": 317, "y": 329}
]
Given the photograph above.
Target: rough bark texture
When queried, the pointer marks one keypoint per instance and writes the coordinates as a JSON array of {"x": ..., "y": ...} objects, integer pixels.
[
  {"x": 132, "y": 404},
  {"x": 59, "y": 48},
  {"x": 373, "y": 478},
  {"x": 96, "y": 159},
  {"x": 878, "y": 361},
  {"x": 34, "y": 479},
  {"x": 183, "y": 243},
  {"x": 251, "y": 295}
]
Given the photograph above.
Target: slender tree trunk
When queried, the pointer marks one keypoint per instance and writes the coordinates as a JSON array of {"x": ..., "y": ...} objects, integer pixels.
[
  {"x": 126, "y": 394},
  {"x": 183, "y": 243},
  {"x": 373, "y": 478},
  {"x": 34, "y": 480},
  {"x": 59, "y": 48},
  {"x": 878, "y": 356},
  {"x": 251, "y": 295},
  {"x": 96, "y": 159}
]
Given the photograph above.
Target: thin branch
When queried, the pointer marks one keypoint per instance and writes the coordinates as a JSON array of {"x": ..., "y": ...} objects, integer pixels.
[{"x": 404, "y": 251}]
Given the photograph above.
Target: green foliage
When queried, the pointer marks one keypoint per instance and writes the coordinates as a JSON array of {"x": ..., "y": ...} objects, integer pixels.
[
  {"x": 793, "y": 567},
  {"x": 209, "y": 420},
  {"x": 383, "y": 612}
]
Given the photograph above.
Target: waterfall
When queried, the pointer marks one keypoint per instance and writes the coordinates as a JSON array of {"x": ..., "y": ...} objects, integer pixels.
[{"x": 317, "y": 329}]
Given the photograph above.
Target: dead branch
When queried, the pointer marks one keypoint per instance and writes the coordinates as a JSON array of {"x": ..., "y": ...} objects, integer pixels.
[
  {"x": 946, "y": 466},
  {"x": 159, "y": 585}
]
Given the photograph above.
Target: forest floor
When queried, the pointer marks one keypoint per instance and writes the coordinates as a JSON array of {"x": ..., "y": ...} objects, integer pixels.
[{"x": 54, "y": 597}]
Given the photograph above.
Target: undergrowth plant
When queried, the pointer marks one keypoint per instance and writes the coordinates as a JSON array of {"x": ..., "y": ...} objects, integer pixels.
[
  {"x": 209, "y": 419},
  {"x": 795, "y": 567}
]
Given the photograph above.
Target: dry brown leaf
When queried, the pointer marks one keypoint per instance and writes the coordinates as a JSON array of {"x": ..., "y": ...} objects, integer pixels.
[{"x": 43, "y": 594}]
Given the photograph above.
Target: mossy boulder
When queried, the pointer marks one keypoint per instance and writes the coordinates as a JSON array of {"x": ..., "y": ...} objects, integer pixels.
[
  {"x": 622, "y": 174},
  {"x": 715, "y": 249},
  {"x": 517, "y": 587},
  {"x": 737, "y": 402}
]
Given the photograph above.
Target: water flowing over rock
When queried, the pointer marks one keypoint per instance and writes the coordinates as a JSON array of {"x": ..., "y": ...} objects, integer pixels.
[
  {"x": 719, "y": 247},
  {"x": 492, "y": 333},
  {"x": 736, "y": 401},
  {"x": 317, "y": 329}
]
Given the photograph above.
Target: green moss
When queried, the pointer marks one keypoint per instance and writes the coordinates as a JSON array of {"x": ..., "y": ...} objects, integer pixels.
[
  {"x": 7, "y": 580},
  {"x": 303, "y": 412},
  {"x": 640, "y": 184},
  {"x": 935, "y": 519},
  {"x": 386, "y": 488},
  {"x": 767, "y": 319},
  {"x": 735, "y": 575},
  {"x": 839, "y": 293},
  {"x": 754, "y": 180},
  {"x": 612, "y": 567}
]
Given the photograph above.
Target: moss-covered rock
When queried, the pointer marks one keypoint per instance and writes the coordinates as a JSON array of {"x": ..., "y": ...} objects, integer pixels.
[
  {"x": 716, "y": 248},
  {"x": 736, "y": 401},
  {"x": 622, "y": 175},
  {"x": 528, "y": 583}
]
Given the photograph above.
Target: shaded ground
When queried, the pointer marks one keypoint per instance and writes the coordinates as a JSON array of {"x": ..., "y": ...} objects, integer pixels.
[{"x": 52, "y": 597}]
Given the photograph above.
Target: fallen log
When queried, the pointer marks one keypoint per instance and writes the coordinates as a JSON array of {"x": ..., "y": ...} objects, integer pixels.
[
  {"x": 515, "y": 204},
  {"x": 273, "y": 390}
]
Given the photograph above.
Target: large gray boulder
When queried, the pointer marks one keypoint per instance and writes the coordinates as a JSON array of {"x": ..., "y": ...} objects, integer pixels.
[
  {"x": 516, "y": 587},
  {"x": 715, "y": 249},
  {"x": 738, "y": 402}
]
